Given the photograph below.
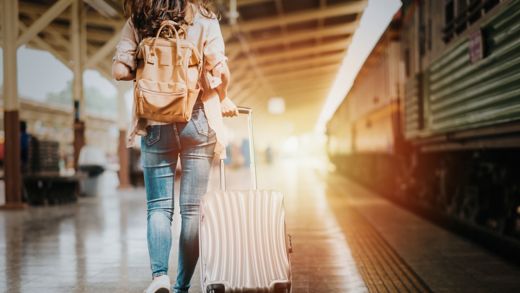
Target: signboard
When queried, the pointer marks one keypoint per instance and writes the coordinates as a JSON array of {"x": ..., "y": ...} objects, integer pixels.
[{"x": 476, "y": 46}]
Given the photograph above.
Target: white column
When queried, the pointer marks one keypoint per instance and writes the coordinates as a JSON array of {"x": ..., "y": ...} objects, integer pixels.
[
  {"x": 78, "y": 52},
  {"x": 12, "y": 164},
  {"x": 10, "y": 36},
  {"x": 122, "y": 123},
  {"x": 122, "y": 114},
  {"x": 78, "y": 55}
]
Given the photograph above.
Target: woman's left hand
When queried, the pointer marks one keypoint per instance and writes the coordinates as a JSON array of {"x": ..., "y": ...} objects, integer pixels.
[{"x": 228, "y": 108}]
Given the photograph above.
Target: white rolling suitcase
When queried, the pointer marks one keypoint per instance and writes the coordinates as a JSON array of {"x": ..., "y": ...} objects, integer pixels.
[{"x": 242, "y": 239}]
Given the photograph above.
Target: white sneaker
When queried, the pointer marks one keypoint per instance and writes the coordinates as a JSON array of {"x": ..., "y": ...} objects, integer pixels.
[{"x": 159, "y": 284}]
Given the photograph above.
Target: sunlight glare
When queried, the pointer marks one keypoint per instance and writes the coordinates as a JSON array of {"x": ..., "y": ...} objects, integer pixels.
[{"x": 374, "y": 22}]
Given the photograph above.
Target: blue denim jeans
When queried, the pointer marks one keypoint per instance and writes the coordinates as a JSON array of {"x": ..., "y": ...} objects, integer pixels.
[{"x": 194, "y": 143}]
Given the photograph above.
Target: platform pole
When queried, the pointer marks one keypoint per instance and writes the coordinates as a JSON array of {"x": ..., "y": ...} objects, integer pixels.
[
  {"x": 12, "y": 166},
  {"x": 78, "y": 54},
  {"x": 122, "y": 123}
]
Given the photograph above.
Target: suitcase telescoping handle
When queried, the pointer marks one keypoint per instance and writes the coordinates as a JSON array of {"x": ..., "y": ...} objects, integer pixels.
[{"x": 252, "y": 164}]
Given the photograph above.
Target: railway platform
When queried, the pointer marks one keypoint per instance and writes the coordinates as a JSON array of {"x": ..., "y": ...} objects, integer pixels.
[
  {"x": 345, "y": 238},
  {"x": 370, "y": 116}
]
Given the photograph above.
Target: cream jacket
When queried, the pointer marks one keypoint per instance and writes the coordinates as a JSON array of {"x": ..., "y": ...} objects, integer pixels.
[{"x": 206, "y": 35}]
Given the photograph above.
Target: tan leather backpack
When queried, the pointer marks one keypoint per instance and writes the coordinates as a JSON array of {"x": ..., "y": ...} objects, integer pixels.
[{"x": 168, "y": 70}]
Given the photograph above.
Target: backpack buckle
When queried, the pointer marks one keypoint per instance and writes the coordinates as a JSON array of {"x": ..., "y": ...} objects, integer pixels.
[{"x": 151, "y": 58}]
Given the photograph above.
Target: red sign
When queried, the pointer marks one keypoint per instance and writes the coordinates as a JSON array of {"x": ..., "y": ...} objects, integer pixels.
[{"x": 476, "y": 47}]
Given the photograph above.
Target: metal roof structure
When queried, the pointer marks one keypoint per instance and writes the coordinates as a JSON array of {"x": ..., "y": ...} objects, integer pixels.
[{"x": 276, "y": 48}]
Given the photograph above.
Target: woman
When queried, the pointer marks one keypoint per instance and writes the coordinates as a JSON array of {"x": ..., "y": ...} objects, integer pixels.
[{"x": 195, "y": 142}]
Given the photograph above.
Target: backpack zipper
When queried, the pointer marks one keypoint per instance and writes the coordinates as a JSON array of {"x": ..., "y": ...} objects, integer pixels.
[{"x": 141, "y": 90}]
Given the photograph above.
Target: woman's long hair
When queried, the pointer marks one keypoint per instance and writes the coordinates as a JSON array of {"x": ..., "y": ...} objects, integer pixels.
[{"x": 147, "y": 15}]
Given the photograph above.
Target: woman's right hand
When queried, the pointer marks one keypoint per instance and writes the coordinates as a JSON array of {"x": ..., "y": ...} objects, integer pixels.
[{"x": 228, "y": 108}]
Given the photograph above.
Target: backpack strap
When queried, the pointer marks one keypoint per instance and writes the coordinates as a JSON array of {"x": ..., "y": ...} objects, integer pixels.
[{"x": 171, "y": 24}]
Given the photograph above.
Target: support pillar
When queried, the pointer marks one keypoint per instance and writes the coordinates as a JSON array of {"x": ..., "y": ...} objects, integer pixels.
[
  {"x": 122, "y": 123},
  {"x": 124, "y": 161},
  {"x": 78, "y": 54},
  {"x": 79, "y": 140},
  {"x": 12, "y": 166}
]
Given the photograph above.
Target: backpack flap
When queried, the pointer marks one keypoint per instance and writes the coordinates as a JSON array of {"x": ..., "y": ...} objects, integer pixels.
[{"x": 164, "y": 54}]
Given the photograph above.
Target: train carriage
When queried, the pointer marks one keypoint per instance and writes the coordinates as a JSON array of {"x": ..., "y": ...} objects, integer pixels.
[{"x": 433, "y": 118}]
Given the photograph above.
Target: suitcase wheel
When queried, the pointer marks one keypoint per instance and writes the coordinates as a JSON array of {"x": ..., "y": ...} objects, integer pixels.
[
  {"x": 216, "y": 288},
  {"x": 282, "y": 287}
]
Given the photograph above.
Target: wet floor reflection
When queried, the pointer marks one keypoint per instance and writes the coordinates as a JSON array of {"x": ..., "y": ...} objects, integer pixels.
[
  {"x": 322, "y": 260},
  {"x": 99, "y": 244}
]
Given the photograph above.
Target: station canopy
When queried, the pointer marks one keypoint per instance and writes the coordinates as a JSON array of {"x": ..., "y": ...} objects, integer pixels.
[{"x": 276, "y": 48}]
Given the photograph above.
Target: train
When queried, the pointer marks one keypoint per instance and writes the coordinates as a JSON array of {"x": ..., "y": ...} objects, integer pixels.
[{"x": 432, "y": 120}]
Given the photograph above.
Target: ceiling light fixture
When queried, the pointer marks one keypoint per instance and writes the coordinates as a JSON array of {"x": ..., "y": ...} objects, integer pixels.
[{"x": 276, "y": 105}]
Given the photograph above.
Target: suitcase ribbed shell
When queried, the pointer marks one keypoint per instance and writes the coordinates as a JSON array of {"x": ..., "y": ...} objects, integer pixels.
[{"x": 243, "y": 243}]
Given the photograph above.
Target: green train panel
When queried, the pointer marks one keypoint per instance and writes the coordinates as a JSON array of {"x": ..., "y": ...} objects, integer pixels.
[{"x": 463, "y": 89}]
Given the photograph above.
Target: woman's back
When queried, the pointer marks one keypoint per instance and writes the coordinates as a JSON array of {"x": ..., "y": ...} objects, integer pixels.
[
  {"x": 194, "y": 142},
  {"x": 203, "y": 30}
]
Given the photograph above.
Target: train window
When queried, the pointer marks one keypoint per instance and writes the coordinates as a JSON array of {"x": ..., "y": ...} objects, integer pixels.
[
  {"x": 459, "y": 14},
  {"x": 449, "y": 17},
  {"x": 407, "y": 62},
  {"x": 430, "y": 34},
  {"x": 429, "y": 24},
  {"x": 461, "y": 20},
  {"x": 422, "y": 31},
  {"x": 474, "y": 11},
  {"x": 490, "y": 4}
]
